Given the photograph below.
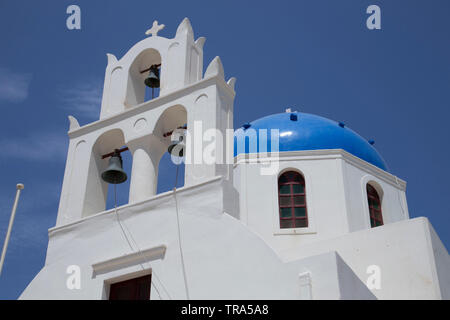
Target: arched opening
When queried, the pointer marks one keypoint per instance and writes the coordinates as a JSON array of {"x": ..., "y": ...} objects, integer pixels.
[
  {"x": 137, "y": 91},
  {"x": 171, "y": 119},
  {"x": 99, "y": 195},
  {"x": 374, "y": 202},
  {"x": 167, "y": 174},
  {"x": 292, "y": 200}
]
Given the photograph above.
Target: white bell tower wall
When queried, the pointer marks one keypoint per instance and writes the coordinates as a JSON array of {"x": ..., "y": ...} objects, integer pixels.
[
  {"x": 181, "y": 60},
  {"x": 203, "y": 103}
]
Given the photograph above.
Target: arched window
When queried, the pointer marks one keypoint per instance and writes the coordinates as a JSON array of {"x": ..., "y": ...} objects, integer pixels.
[
  {"x": 376, "y": 217},
  {"x": 292, "y": 200}
]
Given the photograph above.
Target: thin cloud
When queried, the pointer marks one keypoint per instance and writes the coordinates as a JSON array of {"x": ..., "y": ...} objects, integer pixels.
[
  {"x": 83, "y": 99},
  {"x": 14, "y": 86},
  {"x": 36, "y": 147}
]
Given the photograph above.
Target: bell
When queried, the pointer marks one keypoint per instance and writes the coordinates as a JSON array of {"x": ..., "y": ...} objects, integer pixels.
[
  {"x": 114, "y": 174},
  {"x": 152, "y": 80},
  {"x": 178, "y": 152},
  {"x": 177, "y": 146}
]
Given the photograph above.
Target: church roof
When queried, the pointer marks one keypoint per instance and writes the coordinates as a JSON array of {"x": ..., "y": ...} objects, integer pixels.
[{"x": 303, "y": 131}]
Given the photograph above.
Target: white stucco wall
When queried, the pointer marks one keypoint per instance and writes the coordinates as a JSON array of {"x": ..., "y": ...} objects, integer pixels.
[
  {"x": 226, "y": 260},
  {"x": 441, "y": 263},
  {"x": 336, "y": 196},
  {"x": 390, "y": 189},
  {"x": 324, "y": 200}
]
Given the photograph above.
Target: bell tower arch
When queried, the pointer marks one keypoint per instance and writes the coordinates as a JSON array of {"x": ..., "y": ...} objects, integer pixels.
[
  {"x": 181, "y": 60},
  {"x": 135, "y": 92},
  {"x": 201, "y": 103}
]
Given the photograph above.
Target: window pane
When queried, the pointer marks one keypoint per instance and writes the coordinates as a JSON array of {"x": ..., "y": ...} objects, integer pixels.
[
  {"x": 293, "y": 213},
  {"x": 301, "y": 223},
  {"x": 299, "y": 200},
  {"x": 285, "y": 189},
  {"x": 285, "y": 201},
  {"x": 298, "y": 188},
  {"x": 286, "y": 212},
  {"x": 285, "y": 224},
  {"x": 283, "y": 179},
  {"x": 377, "y": 215},
  {"x": 376, "y": 205},
  {"x": 300, "y": 212}
]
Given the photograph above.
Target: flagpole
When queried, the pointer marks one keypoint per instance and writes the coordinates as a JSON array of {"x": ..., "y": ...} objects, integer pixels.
[{"x": 11, "y": 221}]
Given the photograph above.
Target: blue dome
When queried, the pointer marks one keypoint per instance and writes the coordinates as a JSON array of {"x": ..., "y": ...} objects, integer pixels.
[{"x": 303, "y": 131}]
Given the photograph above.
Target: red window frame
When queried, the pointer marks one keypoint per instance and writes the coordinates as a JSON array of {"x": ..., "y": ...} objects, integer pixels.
[
  {"x": 292, "y": 195},
  {"x": 133, "y": 289},
  {"x": 376, "y": 215}
]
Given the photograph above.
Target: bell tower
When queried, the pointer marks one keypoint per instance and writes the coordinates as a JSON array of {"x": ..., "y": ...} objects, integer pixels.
[{"x": 203, "y": 103}]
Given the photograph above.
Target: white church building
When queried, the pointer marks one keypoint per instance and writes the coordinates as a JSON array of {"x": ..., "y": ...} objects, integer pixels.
[{"x": 298, "y": 207}]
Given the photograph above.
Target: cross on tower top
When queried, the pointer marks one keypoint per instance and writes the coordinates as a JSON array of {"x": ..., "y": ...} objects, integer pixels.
[{"x": 155, "y": 29}]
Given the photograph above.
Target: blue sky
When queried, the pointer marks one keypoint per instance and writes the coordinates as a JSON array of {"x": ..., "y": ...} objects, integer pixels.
[{"x": 390, "y": 85}]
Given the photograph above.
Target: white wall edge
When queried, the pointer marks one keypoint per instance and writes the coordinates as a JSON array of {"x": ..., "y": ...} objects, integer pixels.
[
  {"x": 56, "y": 229},
  {"x": 321, "y": 154}
]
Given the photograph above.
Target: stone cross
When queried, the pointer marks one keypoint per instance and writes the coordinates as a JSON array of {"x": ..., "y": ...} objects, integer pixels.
[{"x": 155, "y": 29}]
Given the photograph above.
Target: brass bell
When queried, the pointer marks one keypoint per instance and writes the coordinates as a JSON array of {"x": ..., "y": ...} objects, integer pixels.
[
  {"x": 152, "y": 80},
  {"x": 178, "y": 144},
  {"x": 114, "y": 174}
]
